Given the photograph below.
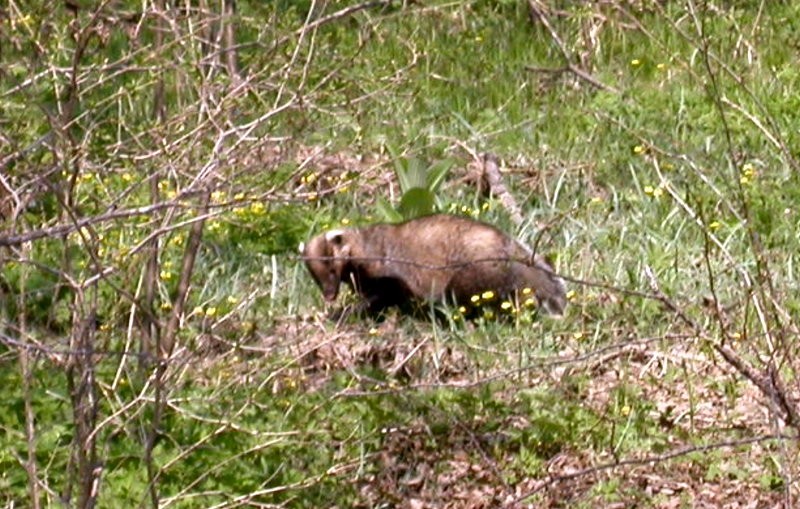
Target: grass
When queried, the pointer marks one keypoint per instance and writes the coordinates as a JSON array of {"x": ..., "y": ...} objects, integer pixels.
[{"x": 271, "y": 402}]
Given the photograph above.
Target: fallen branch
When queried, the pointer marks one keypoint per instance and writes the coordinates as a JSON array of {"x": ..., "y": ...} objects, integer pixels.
[{"x": 493, "y": 182}]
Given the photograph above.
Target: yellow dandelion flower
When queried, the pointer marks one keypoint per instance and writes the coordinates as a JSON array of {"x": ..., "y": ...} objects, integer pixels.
[
  {"x": 748, "y": 170},
  {"x": 238, "y": 196},
  {"x": 345, "y": 221},
  {"x": 127, "y": 177},
  {"x": 744, "y": 180},
  {"x": 596, "y": 200},
  {"x": 488, "y": 314},
  {"x": 649, "y": 190},
  {"x": 658, "y": 192},
  {"x": 571, "y": 295},
  {"x": 636, "y": 62},
  {"x": 714, "y": 225},
  {"x": 211, "y": 311},
  {"x": 218, "y": 196},
  {"x": 529, "y": 303},
  {"x": 577, "y": 335},
  {"x": 171, "y": 194},
  {"x": 456, "y": 317},
  {"x": 625, "y": 410},
  {"x": 166, "y": 306},
  {"x": 527, "y": 291},
  {"x": 462, "y": 310},
  {"x": 506, "y": 306},
  {"x": 344, "y": 189},
  {"x": 165, "y": 275},
  {"x": 257, "y": 208},
  {"x": 198, "y": 310},
  {"x": 312, "y": 196},
  {"x": 373, "y": 331},
  {"x": 668, "y": 166},
  {"x": 475, "y": 299},
  {"x": 736, "y": 335},
  {"x": 232, "y": 300},
  {"x": 487, "y": 295},
  {"x": 485, "y": 206},
  {"x": 661, "y": 66},
  {"x": 639, "y": 149}
]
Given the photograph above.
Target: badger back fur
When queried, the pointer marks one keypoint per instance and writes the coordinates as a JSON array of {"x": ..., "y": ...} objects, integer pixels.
[{"x": 435, "y": 257}]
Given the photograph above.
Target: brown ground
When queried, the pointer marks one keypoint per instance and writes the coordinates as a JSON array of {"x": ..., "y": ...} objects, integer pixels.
[{"x": 465, "y": 468}]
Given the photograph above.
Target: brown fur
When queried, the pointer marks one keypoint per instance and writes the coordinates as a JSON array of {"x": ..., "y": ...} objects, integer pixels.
[{"x": 429, "y": 258}]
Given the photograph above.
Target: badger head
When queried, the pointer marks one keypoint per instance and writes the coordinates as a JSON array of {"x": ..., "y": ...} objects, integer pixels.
[{"x": 327, "y": 258}]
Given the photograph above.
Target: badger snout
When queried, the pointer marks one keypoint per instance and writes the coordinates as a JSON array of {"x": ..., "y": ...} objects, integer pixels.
[{"x": 329, "y": 294}]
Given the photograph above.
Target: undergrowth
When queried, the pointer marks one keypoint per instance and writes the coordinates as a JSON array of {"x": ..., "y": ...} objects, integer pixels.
[{"x": 664, "y": 188}]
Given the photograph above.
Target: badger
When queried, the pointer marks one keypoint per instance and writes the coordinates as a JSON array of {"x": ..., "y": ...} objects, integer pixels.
[{"x": 438, "y": 257}]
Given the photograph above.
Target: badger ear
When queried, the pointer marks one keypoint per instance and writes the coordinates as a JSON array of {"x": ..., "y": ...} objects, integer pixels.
[
  {"x": 302, "y": 248},
  {"x": 335, "y": 237}
]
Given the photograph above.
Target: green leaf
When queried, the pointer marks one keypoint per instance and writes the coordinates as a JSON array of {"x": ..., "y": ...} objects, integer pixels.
[
  {"x": 414, "y": 175},
  {"x": 437, "y": 172},
  {"x": 416, "y": 202},
  {"x": 387, "y": 211}
]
